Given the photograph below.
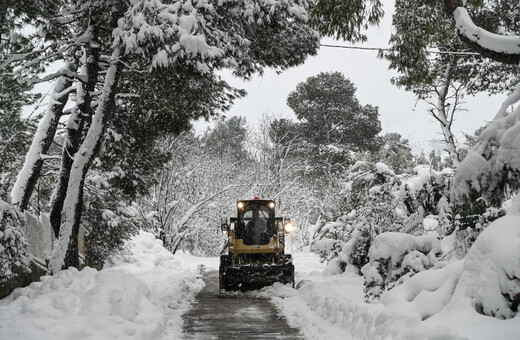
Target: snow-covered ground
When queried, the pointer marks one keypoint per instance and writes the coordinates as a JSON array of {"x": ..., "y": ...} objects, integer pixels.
[
  {"x": 333, "y": 307},
  {"x": 141, "y": 295},
  {"x": 434, "y": 304}
]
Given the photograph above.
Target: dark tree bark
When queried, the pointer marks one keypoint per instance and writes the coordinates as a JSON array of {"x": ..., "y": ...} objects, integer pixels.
[
  {"x": 73, "y": 203},
  {"x": 79, "y": 122},
  {"x": 30, "y": 173}
]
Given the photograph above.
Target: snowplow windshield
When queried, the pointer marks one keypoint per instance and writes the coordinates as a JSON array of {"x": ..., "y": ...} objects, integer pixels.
[{"x": 256, "y": 223}]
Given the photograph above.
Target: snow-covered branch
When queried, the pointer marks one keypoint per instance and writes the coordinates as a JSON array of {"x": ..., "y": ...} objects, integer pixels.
[{"x": 505, "y": 49}]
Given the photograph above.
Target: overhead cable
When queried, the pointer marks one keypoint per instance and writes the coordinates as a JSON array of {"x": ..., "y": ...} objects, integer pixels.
[{"x": 388, "y": 49}]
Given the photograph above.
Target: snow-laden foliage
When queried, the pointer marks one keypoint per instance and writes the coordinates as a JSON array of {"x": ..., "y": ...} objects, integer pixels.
[
  {"x": 395, "y": 257},
  {"x": 485, "y": 282},
  {"x": 108, "y": 225},
  {"x": 376, "y": 200},
  {"x": 14, "y": 259},
  {"x": 490, "y": 280},
  {"x": 369, "y": 200},
  {"x": 492, "y": 167},
  {"x": 15, "y": 137},
  {"x": 426, "y": 197},
  {"x": 214, "y": 34}
]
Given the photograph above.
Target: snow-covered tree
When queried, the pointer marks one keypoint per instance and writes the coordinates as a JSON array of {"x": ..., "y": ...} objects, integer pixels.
[
  {"x": 146, "y": 35},
  {"x": 346, "y": 19},
  {"x": 441, "y": 79},
  {"x": 490, "y": 169},
  {"x": 395, "y": 151}
]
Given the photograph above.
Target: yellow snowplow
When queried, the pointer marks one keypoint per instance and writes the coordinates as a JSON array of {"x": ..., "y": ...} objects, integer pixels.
[{"x": 256, "y": 248}]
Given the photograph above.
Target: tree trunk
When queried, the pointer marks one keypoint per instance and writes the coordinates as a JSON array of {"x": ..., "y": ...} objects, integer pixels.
[
  {"x": 443, "y": 117},
  {"x": 65, "y": 251},
  {"x": 78, "y": 122},
  {"x": 28, "y": 176}
]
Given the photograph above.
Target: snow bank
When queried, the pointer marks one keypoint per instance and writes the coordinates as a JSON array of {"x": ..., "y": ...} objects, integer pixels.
[
  {"x": 332, "y": 308},
  {"x": 75, "y": 304},
  {"x": 139, "y": 295},
  {"x": 426, "y": 293}
]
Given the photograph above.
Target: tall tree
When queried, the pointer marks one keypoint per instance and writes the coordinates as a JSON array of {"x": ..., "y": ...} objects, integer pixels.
[{"x": 332, "y": 122}]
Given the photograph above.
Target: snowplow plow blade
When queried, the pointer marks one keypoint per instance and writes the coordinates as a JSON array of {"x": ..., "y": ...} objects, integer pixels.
[{"x": 254, "y": 276}]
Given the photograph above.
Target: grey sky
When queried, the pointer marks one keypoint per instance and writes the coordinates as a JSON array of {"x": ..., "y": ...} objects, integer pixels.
[{"x": 398, "y": 109}]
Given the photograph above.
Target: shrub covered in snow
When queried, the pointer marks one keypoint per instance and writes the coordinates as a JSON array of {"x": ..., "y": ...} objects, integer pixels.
[
  {"x": 491, "y": 274},
  {"x": 13, "y": 245},
  {"x": 395, "y": 257},
  {"x": 483, "y": 286},
  {"x": 371, "y": 208},
  {"x": 426, "y": 197},
  {"x": 375, "y": 200}
]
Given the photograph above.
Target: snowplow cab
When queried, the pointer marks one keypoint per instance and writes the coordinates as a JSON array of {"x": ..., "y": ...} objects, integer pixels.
[{"x": 256, "y": 248}]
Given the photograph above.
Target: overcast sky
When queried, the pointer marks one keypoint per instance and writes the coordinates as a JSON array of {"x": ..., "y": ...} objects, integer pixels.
[{"x": 398, "y": 109}]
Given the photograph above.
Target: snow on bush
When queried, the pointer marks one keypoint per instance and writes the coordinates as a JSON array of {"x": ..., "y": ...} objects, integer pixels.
[
  {"x": 487, "y": 281},
  {"x": 490, "y": 280},
  {"x": 13, "y": 245},
  {"x": 426, "y": 293},
  {"x": 377, "y": 201},
  {"x": 395, "y": 257},
  {"x": 492, "y": 168},
  {"x": 426, "y": 197}
]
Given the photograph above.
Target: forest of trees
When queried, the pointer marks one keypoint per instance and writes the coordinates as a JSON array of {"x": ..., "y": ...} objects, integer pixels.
[{"x": 115, "y": 150}]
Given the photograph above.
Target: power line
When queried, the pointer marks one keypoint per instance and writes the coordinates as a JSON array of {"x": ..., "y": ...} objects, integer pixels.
[{"x": 388, "y": 49}]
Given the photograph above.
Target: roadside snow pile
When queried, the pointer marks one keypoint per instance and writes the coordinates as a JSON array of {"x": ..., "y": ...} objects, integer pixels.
[
  {"x": 73, "y": 304},
  {"x": 332, "y": 307},
  {"x": 425, "y": 294},
  {"x": 142, "y": 295}
]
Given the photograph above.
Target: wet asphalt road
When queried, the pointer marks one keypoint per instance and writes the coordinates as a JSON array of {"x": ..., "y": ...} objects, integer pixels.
[{"x": 234, "y": 317}]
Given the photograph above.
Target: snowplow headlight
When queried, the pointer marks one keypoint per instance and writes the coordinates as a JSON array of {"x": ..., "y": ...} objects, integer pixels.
[
  {"x": 288, "y": 228},
  {"x": 240, "y": 205},
  {"x": 271, "y": 205},
  {"x": 224, "y": 232}
]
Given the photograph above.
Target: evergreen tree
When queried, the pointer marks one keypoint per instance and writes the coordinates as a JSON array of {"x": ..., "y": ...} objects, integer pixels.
[
  {"x": 332, "y": 122},
  {"x": 395, "y": 152}
]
